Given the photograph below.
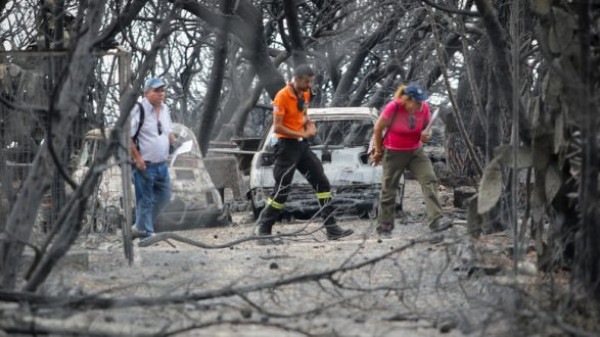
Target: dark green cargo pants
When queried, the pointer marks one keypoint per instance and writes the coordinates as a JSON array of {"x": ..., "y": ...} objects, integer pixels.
[{"x": 394, "y": 163}]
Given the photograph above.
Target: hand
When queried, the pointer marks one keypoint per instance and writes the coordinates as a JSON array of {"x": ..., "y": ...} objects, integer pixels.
[
  {"x": 311, "y": 129},
  {"x": 140, "y": 164},
  {"x": 376, "y": 157},
  {"x": 425, "y": 136}
]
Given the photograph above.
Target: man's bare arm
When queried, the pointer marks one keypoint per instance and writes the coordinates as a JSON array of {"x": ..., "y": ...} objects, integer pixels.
[
  {"x": 284, "y": 130},
  {"x": 137, "y": 157}
]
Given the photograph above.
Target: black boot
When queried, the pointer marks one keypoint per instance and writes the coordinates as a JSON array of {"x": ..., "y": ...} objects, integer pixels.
[
  {"x": 264, "y": 229},
  {"x": 335, "y": 232},
  {"x": 440, "y": 224},
  {"x": 268, "y": 217}
]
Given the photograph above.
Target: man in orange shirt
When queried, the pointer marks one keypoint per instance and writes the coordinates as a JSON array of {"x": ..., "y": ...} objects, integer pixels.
[{"x": 292, "y": 127}]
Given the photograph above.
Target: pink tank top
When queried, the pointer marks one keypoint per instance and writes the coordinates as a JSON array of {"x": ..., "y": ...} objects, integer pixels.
[{"x": 405, "y": 132}]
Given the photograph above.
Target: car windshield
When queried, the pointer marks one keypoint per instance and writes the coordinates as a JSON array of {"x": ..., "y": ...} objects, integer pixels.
[
  {"x": 345, "y": 133},
  {"x": 182, "y": 135}
]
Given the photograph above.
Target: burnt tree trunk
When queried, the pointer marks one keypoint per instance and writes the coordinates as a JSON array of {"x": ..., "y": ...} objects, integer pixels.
[
  {"x": 238, "y": 94},
  {"x": 241, "y": 115},
  {"x": 457, "y": 156},
  {"x": 124, "y": 20},
  {"x": 294, "y": 33},
  {"x": 69, "y": 226},
  {"x": 259, "y": 57},
  {"x": 385, "y": 90},
  {"x": 217, "y": 73},
  {"x": 451, "y": 47},
  {"x": 500, "y": 56},
  {"x": 247, "y": 24},
  {"x": 588, "y": 249},
  {"x": 343, "y": 90},
  {"x": 21, "y": 219},
  {"x": 372, "y": 78}
]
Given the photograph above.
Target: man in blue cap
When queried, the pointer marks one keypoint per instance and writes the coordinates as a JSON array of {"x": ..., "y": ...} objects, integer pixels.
[{"x": 150, "y": 141}]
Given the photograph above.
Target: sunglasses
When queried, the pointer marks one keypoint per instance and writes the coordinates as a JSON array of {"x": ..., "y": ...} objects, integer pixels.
[
  {"x": 159, "y": 128},
  {"x": 411, "y": 122}
]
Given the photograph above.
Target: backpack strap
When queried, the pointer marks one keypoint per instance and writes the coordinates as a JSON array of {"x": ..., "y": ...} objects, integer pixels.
[
  {"x": 371, "y": 147},
  {"x": 142, "y": 113},
  {"x": 387, "y": 130}
]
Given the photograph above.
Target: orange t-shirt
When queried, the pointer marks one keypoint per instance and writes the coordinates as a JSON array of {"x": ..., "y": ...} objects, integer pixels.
[{"x": 286, "y": 105}]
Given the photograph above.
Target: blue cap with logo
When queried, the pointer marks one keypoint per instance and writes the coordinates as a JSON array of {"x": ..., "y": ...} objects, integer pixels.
[
  {"x": 416, "y": 92},
  {"x": 153, "y": 83}
]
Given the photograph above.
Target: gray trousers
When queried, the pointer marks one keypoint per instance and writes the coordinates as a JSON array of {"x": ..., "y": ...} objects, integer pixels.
[{"x": 394, "y": 163}]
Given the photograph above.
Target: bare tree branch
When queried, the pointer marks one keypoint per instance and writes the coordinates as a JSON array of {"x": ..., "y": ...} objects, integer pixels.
[
  {"x": 94, "y": 302},
  {"x": 247, "y": 25},
  {"x": 500, "y": 45},
  {"x": 451, "y": 10},
  {"x": 217, "y": 74},
  {"x": 20, "y": 220},
  {"x": 456, "y": 114},
  {"x": 124, "y": 20},
  {"x": 70, "y": 219},
  {"x": 295, "y": 34},
  {"x": 342, "y": 92}
]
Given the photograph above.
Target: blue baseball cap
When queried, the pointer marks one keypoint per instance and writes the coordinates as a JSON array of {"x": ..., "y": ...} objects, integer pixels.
[
  {"x": 416, "y": 92},
  {"x": 153, "y": 83}
]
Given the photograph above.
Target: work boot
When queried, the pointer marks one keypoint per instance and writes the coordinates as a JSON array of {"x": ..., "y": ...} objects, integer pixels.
[
  {"x": 136, "y": 233},
  {"x": 440, "y": 224},
  {"x": 335, "y": 232},
  {"x": 145, "y": 241},
  {"x": 265, "y": 227},
  {"x": 266, "y": 238},
  {"x": 385, "y": 229}
]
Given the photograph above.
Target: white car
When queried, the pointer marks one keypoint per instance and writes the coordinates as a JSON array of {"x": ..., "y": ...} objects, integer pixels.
[
  {"x": 341, "y": 143},
  {"x": 195, "y": 201}
]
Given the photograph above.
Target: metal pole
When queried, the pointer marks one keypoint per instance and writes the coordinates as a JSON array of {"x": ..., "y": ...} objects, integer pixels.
[{"x": 125, "y": 152}]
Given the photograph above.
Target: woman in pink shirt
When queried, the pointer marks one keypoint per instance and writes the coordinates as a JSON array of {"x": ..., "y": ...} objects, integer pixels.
[{"x": 400, "y": 147}]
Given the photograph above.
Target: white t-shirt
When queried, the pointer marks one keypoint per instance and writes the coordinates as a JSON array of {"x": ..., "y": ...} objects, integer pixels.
[{"x": 154, "y": 148}]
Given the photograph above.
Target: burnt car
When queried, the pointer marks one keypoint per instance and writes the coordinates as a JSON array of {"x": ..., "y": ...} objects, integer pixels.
[
  {"x": 341, "y": 143},
  {"x": 195, "y": 201}
]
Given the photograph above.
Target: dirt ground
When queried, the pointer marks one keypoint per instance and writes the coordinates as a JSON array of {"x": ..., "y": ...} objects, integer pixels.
[{"x": 445, "y": 283}]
